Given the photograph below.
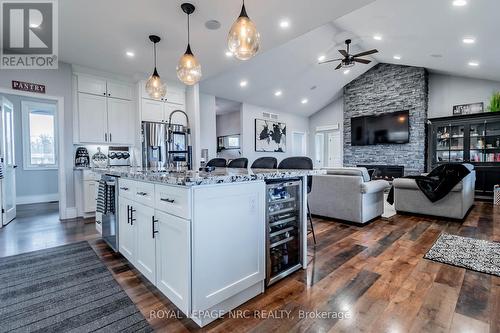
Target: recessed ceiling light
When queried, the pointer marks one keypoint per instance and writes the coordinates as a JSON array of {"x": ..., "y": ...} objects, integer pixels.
[
  {"x": 321, "y": 57},
  {"x": 397, "y": 57},
  {"x": 473, "y": 63},
  {"x": 304, "y": 101},
  {"x": 347, "y": 71},
  {"x": 243, "y": 83},
  {"x": 468, "y": 40},
  {"x": 459, "y": 3},
  {"x": 284, "y": 24},
  {"x": 130, "y": 54},
  {"x": 278, "y": 93},
  {"x": 212, "y": 24},
  {"x": 229, "y": 54},
  {"x": 377, "y": 37}
]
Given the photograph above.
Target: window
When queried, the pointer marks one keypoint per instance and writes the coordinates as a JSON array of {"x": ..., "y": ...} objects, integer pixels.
[{"x": 39, "y": 136}]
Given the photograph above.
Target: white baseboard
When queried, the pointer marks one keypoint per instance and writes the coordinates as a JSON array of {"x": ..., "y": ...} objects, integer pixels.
[
  {"x": 30, "y": 199},
  {"x": 70, "y": 213}
]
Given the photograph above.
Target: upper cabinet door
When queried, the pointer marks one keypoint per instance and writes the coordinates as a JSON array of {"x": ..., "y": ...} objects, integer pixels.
[
  {"x": 120, "y": 121},
  {"x": 176, "y": 95},
  {"x": 92, "y": 118},
  {"x": 91, "y": 85},
  {"x": 152, "y": 110},
  {"x": 120, "y": 90}
]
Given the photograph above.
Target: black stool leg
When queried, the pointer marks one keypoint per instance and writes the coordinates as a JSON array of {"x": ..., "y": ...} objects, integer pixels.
[{"x": 311, "y": 222}]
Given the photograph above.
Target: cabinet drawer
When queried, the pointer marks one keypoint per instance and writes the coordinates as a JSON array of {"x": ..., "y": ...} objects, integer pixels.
[
  {"x": 126, "y": 188},
  {"x": 173, "y": 200},
  {"x": 145, "y": 193}
]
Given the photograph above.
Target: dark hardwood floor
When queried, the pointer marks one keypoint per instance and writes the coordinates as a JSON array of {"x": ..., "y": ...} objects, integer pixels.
[{"x": 374, "y": 273}]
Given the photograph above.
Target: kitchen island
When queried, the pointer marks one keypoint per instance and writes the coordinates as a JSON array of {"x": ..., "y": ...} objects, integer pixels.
[{"x": 200, "y": 237}]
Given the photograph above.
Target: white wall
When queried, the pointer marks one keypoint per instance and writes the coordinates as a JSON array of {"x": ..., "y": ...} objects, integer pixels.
[
  {"x": 445, "y": 91},
  {"x": 58, "y": 83},
  {"x": 330, "y": 115},
  {"x": 31, "y": 185},
  {"x": 294, "y": 123},
  {"x": 208, "y": 125}
]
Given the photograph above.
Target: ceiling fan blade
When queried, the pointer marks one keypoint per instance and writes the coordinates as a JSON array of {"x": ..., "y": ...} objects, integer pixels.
[
  {"x": 338, "y": 67},
  {"x": 366, "y": 53},
  {"x": 344, "y": 53},
  {"x": 363, "y": 61},
  {"x": 327, "y": 61}
]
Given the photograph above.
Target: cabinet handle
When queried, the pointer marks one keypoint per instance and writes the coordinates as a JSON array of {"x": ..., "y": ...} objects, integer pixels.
[
  {"x": 106, "y": 137},
  {"x": 153, "y": 226},
  {"x": 132, "y": 210},
  {"x": 124, "y": 188},
  {"x": 167, "y": 200},
  {"x": 128, "y": 214},
  {"x": 142, "y": 193},
  {"x": 104, "y": 94},
  {"x": 110, "y": 139}
]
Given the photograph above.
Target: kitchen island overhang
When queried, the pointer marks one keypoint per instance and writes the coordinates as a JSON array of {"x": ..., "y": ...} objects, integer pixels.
[{"x": 200, "y": 237}]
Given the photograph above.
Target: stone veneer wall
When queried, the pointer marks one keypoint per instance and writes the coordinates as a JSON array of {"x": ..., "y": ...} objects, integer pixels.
[{"x": 388, "y": 88}]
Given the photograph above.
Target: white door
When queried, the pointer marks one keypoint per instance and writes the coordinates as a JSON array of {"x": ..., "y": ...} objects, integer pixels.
[
  {"x": 319, "y": 146},
  {"x": 299, "y": 144},
  {"x": 9, "y": 162},
  {"x": 152, "y": 110},
  {"x": 119, "y": 90},
  {"x": 92, "y": 118},
  {"x": 334, "y": 150},
  {"x": 145, "y": 253},
  {"x": 126, "y": 232},
  {"x": 91, "y": 85},
  {"x": 120, "y": 121},
  {"x": 173, "y": 259}
]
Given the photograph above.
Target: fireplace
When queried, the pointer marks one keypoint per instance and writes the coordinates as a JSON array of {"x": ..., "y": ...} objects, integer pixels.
[{"x": 386, "y": 172}]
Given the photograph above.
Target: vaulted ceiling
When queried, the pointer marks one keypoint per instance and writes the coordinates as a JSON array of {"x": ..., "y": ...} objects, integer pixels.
[{"x": 425, "y": 33}]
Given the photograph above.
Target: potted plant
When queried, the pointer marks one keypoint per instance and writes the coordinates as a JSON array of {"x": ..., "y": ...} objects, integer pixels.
[{"x": 495, "y": 102}]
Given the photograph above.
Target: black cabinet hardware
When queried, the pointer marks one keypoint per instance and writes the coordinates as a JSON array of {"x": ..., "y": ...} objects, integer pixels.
[
  {"x": 167, "y": 200},
  {"x": 132, "y": 210},
  {"x": 142, "y": 193},
  {"x": 153, "y": 226},
  {"x": 124, "y": 188},
  {"x": 128, "y": 214}
]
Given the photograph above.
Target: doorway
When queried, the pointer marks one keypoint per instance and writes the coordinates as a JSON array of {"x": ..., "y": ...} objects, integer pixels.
[
  {"x": 29, "y": 150},
  {"x": 299, "y": 144},
  {"x": 328, "y": 149}
]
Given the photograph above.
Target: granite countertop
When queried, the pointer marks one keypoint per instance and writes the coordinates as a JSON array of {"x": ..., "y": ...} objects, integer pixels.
[{"x": 192, "y": 178}]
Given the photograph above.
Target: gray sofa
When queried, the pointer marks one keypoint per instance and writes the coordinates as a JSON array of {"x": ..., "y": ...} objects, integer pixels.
[
  {"x": 408, "y": 198},
  {"x": 347, "y": 194}
]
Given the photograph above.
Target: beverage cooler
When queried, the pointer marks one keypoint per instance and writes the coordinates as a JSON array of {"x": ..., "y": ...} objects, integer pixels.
[{"x": 284, "y": 224}]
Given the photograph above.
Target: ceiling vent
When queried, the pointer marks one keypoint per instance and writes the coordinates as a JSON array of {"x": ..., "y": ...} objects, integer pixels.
[{"x": 269, "y": 115}]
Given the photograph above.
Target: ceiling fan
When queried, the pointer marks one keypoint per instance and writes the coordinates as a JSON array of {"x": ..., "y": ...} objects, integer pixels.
[{"x": 349, "y": 60}]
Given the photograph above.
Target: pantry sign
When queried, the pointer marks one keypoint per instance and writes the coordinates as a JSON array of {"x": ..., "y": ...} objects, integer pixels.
[{"x": 27, "y": 86}]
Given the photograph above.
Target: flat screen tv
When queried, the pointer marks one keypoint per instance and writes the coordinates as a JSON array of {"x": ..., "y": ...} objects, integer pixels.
[{"x": 385, "y": 128}]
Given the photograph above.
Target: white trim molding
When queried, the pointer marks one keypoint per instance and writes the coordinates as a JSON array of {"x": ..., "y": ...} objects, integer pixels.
[{"x": 38, "y": 198}]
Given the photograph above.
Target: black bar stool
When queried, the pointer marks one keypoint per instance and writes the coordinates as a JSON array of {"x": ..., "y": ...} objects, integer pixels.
[
  {"x": 265, "y": 163},
  {"x": 241, "y": 163},
  {"x": 305, "y": 163},
  {"x": 217, "y": 162}
]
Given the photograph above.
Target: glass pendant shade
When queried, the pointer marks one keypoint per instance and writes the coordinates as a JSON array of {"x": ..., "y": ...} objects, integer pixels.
[
  {"x": 189, "y": 69},
  {"x": 244, "y": 39},
  {"x": 155, "y": 88}
]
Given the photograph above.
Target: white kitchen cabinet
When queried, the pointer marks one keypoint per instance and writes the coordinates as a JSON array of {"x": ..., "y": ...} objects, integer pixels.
[
  {"x": 91, "y": 85},
  {"x": 89, "y": 195},
  {"x": 145, "y": 254},
  {"x": 119, "y": 90},
  {"x": 175, "y": 94},
  {"x": 120, "y": 121},
  {"x": 92, "y": 118},
  {"x": 127, "y": 238},
  {"x": 173, "y": 258},
  {"x": 152, "y": 110}
]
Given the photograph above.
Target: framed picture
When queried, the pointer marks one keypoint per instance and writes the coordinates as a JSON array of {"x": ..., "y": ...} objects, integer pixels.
[
  {"x": 468, "y": 108},
  {"x": 270, "y": 136}
]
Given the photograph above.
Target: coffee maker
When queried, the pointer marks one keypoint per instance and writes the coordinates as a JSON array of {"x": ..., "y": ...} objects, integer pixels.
[{"x": 82, "y": 159}]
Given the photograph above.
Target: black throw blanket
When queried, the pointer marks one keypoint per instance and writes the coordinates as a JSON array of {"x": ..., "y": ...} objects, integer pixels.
[{"x": 438, "y": 183}]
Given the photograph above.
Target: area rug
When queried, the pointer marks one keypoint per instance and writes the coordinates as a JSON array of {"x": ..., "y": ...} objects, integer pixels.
[
  {"x": 66, "y": 288},
  {"x": 475, "y": 254}
]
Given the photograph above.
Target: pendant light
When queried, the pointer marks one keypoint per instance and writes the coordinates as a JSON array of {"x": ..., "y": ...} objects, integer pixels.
[
  {"x": 154, "y": 87},
  {"x": 188, "y": 69},
  {"x": 243, "y": 40}
]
